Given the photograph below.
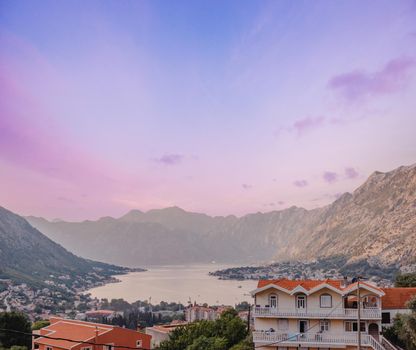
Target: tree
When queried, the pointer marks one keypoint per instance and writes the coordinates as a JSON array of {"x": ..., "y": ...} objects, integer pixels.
[
  {"x": 244, "y": 345},
  {"x": 403, "y": 331},
  {"x": 243, "y": 306},
  {"x": 14, "y": 321},
  {"x": 208, "y": 343},
  {"x": 405, "y": 280},
  {"x": 221, "y": 334},
  {"x": 40, "y": 324}
]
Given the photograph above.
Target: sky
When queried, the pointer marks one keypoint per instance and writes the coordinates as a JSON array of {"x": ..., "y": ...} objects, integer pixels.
[{"x": 221, "y": 107}]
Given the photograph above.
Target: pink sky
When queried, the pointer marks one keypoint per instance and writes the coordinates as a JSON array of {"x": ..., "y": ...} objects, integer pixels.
[{"x": 229, "y": 109}]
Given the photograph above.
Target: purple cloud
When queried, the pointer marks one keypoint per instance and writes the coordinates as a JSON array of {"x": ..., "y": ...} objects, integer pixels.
[
  {"x": 357, "y": 85},
  {"x": 307, "y": 123},
  {"x": 280, "y": 202},
  {"x": 351, "y": 173},
  {"x": 330, "y": 177},
  {"x": 300, "y": 183},
  {"x": 246, "y": 186},
  {"x": 170, "y": 159}
]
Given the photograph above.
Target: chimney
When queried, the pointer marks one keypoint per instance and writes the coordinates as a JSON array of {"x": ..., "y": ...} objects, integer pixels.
[{"x": 344, "y": 282}]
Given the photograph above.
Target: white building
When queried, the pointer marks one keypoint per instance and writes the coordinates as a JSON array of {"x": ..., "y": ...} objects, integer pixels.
[
  {"x": 195, "y": 313},
  {"x": 394, "y": 302},
  {"x": 160, "y": 333},
  {"x": 318, "y": 314}
]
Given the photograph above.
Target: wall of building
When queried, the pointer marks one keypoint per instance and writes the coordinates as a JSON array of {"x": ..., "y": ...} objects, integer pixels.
[
  {"x": 157, "y": 336},
  {"x": 393, "y": 314},
  {"x": 286, "y": 301}
]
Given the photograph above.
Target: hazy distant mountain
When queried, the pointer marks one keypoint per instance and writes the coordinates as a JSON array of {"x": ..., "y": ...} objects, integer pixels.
[
  {"x": 27, "y": 255},
  {"x": 378, "y": 221}
]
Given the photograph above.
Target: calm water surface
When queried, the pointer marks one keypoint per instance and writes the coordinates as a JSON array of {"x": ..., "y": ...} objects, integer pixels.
[{"x": 178, "y": 284}]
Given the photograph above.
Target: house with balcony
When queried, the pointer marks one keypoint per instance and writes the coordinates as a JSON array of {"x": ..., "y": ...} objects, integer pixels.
[{"x": 318, "y": 314}]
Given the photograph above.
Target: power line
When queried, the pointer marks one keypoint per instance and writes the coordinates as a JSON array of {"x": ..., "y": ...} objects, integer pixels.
[{"x": 69, "y": 340}]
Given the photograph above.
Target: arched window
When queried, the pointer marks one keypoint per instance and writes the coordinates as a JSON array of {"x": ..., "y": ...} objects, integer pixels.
[
  {"x": 273, "y": 300},
  {"x": 326, "y": 300}
]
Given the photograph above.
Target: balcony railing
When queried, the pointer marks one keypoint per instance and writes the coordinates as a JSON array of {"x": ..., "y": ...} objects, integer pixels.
[
  {"x": 315, "y": 338},
  {"x": 374, "y": 313}
]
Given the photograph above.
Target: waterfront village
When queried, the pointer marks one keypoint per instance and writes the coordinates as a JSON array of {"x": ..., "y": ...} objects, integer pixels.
[
  {"x": 286, "y": 313},
  {"x": 71, "y": 300}
]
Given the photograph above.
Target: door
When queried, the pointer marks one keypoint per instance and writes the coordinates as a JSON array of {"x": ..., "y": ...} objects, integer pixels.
[
  {"x": 303, "y": 326},
  {"x": 373, "y": 330}
]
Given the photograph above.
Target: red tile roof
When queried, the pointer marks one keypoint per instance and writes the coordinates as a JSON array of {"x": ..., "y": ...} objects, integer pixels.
[
  {"x": 310, "y": 284},
  {"x": 70, "y": 329},
  {"x": 292, "y": 284},
  {"x": 396, "y": 298}
]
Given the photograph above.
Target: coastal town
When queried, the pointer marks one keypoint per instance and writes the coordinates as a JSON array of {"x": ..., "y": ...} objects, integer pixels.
[
  {"x": 318, "y": 269},
  {"x": 309, "y": 313},
  {"x": 57, "y": 297}
]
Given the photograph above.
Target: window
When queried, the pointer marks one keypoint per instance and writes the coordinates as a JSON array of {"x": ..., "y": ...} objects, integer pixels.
[
  {"x": 138, "y": 343},
  {"x": 283, "y": 324},
  {"x": 385, "y": 317},
  {"x": 326, "y": 300},
  {"x": 49, "y": 348},
  {"x": 351, "y": 326},
  {"x": 273, "y": 300},
  {"x": 108, "y": 347},
  {"x": 324, "y": 325},
  {"x": 301, "y": 301}
]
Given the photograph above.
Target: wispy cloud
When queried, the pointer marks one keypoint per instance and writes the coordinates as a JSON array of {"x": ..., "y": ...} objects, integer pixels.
[
  {"x": 303, "y": 125},
  {"x": 170, "y": 159},
  {"x": 359, "y": 84},
  {"x": 246, "y": 186},
  {"x": 300, "y": 183},
  {"x": 351, "y": 173},
  {"x": 330, "y": 177}
]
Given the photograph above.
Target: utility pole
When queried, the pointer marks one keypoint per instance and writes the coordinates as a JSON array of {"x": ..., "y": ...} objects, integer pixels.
[
  {"x": 359, "y": 313},
  {"x": 248, "y": 319}
]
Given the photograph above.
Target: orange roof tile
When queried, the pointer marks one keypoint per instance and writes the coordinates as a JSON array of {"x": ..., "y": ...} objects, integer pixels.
[
  {"x": 396, "y": 298},
  {"x": 310, "y": 284},
  {"x": 292, "y": 284},
  {"x": 71, "y": 329}
]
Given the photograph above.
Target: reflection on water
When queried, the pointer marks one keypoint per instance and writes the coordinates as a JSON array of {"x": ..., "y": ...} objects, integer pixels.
[{"x": 178, "y": 284}]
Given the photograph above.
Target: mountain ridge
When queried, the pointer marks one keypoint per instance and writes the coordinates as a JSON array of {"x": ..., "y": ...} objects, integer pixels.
[
  {"x": 27, "y": 255},
  {"x": 358, "y": 224}
]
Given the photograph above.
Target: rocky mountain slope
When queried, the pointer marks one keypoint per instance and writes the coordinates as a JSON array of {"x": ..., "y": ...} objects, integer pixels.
[
  {"x": 26, "y": 255},
  {"x": 376, "y": 222}
]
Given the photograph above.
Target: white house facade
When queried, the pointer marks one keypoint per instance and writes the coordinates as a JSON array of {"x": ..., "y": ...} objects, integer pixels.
[{"x": 314, "y": 314}]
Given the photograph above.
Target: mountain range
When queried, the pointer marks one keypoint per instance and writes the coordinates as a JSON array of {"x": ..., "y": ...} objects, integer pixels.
[
  {"x": 26, "y": 255},
  {"x": 377, "y": 222}
]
